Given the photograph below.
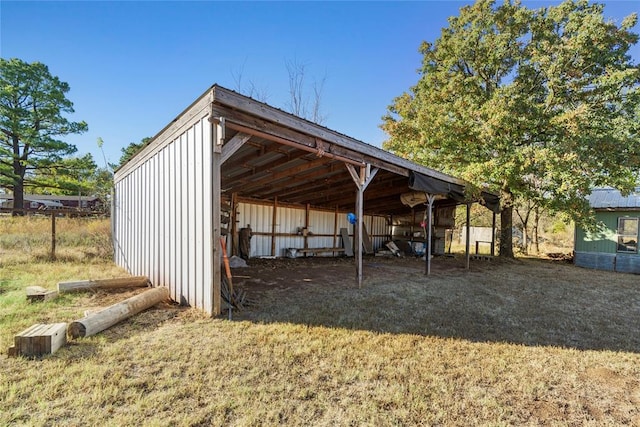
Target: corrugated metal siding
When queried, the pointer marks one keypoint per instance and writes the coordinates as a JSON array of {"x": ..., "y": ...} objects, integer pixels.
[
  {"x": 628, "y": 263},
  {"x": 289, "y": 220},
  {"x": 603, "y": 198},
  {"x": 379, "y": 228},
  {"x": 604, "y": 241},
  {"x": 162, "y": 215},
  {"x": 598, "y": 250},
  {"x": 598, "y": 261}
]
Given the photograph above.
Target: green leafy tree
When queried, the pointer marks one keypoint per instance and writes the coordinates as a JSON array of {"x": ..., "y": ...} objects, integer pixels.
[
  {"x": 67, "y": 176},
  {"x": 536, "y": 104},
  {"x": 130, "y": 150},
  {"x": 32, "y": 108}
]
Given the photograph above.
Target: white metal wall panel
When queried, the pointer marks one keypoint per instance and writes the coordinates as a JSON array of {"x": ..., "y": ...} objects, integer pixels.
[
  {"x": 162, "y": 215},
  {"x": 380, "y": 228},
  {"x": 289, "y": 220}
]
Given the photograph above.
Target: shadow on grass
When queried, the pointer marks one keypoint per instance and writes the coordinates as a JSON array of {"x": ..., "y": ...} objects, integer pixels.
[{"x": 528, "y": 302}]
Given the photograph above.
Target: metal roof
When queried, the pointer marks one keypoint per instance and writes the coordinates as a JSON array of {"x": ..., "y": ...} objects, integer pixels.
[
  {"x": 284, "y": 157},
  {"x": 610, "y": 198}
]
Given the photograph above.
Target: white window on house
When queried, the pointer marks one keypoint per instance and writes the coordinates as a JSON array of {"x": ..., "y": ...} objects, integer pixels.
[{"x": 628, "y": 235}]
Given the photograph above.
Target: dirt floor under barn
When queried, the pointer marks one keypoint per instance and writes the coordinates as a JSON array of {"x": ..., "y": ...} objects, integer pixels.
[{"x": 526, "y": 301}]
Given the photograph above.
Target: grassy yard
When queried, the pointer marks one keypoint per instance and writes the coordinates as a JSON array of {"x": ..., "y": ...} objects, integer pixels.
[{"x": 527, "y": 342}]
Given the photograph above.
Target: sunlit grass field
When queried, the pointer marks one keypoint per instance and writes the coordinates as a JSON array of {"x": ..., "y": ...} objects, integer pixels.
[{"x": 527, "y": 342}]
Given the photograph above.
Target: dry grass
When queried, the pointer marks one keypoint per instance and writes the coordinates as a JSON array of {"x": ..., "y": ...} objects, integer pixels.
[
  {"x": 523, "y": 343},
  {"x": 27, "y": 239}
]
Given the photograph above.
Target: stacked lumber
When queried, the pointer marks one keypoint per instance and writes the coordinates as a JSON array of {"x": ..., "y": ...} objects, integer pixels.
[
  {"x": 39, "y": 339},
  {"x": 38, "y": 293},
  {"x": 120, "y": 282}
]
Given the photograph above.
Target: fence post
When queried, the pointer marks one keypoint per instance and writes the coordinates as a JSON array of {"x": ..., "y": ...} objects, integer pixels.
[{"x": 53, "y": 235}]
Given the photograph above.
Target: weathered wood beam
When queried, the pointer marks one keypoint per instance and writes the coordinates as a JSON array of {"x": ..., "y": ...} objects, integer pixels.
[
  {"x": 120, "y": 282},
  {"x": 233, "y": 145},
  {"x": 115, "y": 313},
  {"x": 292, "y": 172},
  {"x": 249, "y": 171}
]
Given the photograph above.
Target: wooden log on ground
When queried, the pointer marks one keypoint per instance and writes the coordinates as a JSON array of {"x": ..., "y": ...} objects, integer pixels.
[
  {"x": 38, "y": 293},
  {"x": 120, "y": 282},
  {"x": 111, "y": 315},
  {"x": 39, "y": 339}
]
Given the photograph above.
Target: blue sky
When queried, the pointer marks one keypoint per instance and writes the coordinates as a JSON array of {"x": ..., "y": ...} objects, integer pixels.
[{"x": 134, "y": 66}]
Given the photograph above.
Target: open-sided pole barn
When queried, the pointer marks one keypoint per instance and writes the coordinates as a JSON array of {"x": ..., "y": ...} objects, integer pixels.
[{"x": 227, "y": 148}]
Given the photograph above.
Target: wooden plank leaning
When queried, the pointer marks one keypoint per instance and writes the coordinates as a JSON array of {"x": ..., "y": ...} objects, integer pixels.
[
  {"x": 119, "y": 282},
  {"x": 103, "y": 319}
]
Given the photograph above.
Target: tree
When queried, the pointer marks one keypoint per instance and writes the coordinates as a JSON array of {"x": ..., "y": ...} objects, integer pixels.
[
  {"x": 300, "y": 103},
  {"x": 67, "y": 176},
  {"x": 32, "y": 104},
  {"x": 130, "y": 150},
  {"x": 536, "y": 104}
]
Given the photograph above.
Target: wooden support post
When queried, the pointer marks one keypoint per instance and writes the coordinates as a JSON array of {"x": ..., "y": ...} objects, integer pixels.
[
  {"x": 217, "y": 133},
  {"x": 335, "y": 228},
  {"x": 234, "y": 223},
  {"x": 305, "y": 232},
  {"x": 358, "y": 236},
  {"x": 493, "y": 235},
  {"x": 274, "y": 218},
  {"x": 430, "y": 200},
  {"x": 53, "y": 235},
  {"x": 362, "y": 181},
  {"x": 413, "y": 222},
  {"x": 115, "y": 313},
  {"x": 468, "y": 239}
]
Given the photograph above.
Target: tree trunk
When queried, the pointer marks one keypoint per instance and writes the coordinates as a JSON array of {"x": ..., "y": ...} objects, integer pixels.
[
  {"x": 506, "y": 235},
  {"x": 525, "y": 240},
  {"x": 18, "y": 179},
  {"x": 506, "y": 223},
  {"x": 536, "y": 222},
  {"x": 18, "y": 197}
]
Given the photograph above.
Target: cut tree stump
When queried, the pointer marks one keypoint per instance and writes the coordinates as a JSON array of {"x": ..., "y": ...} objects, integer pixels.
[
  {"x": 103, "y": 319},
  {"x": 120, "y": 282},
  {"x": 38, "y": 293},
  {"x": 39, "y": 339}
]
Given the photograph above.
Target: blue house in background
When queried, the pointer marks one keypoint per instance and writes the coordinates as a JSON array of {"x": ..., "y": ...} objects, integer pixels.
[{"x": 614, "y": 246}]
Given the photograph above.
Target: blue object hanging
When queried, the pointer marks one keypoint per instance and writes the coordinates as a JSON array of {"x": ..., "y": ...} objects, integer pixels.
[{"x": 351, "y": 217}]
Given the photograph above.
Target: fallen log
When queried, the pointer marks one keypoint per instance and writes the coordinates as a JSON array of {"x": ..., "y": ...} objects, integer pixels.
[
  {"x": 115, "y": 313},
  {"x": 120, "y": 282}
]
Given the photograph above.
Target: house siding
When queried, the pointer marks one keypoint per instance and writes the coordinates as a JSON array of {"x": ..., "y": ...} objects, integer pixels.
[{"x": 598, "y": 249}]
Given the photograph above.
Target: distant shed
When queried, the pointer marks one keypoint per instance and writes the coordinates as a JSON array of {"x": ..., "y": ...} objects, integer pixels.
[
  {"x": 614, "y": 246},
  {"x": 292, "y": 180}
]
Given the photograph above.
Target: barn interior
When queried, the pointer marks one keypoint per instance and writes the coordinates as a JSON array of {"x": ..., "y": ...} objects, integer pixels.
[{"x": 275, "y": 159}]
